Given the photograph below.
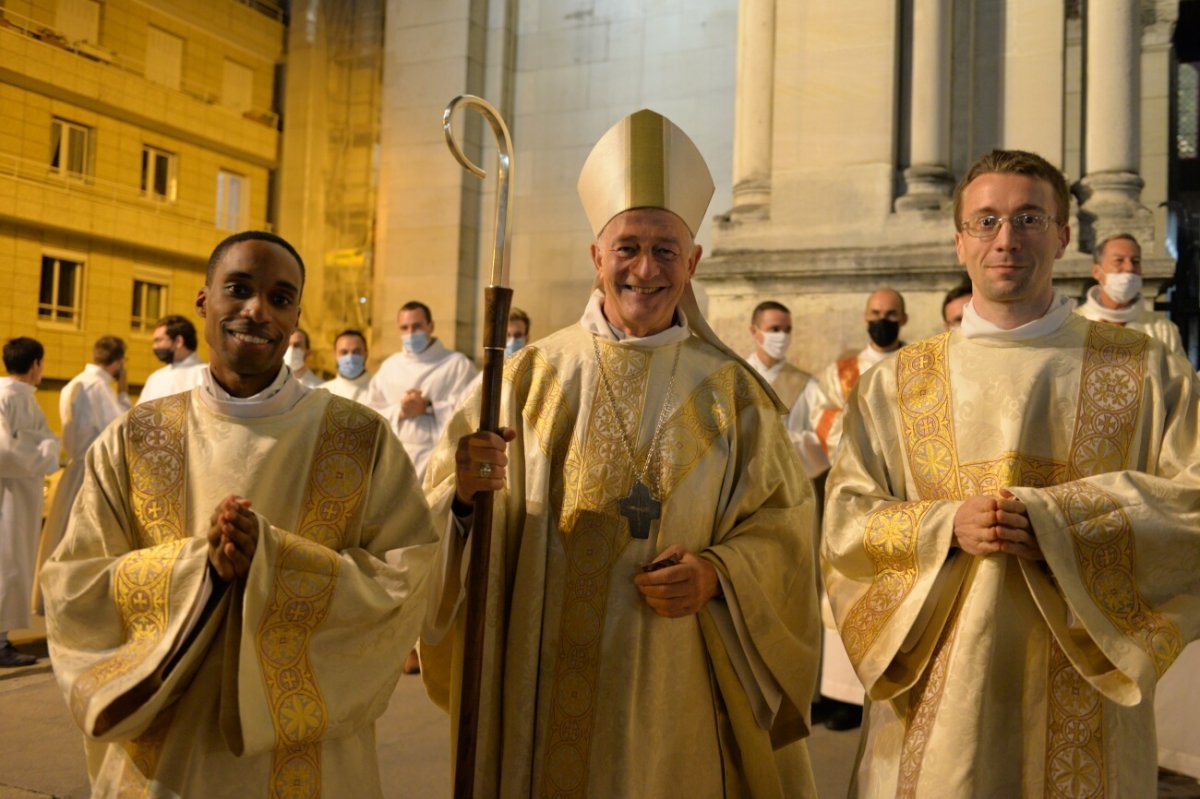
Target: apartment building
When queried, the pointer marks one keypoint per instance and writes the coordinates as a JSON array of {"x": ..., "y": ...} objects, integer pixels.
[{"x": 134, "y": 135}]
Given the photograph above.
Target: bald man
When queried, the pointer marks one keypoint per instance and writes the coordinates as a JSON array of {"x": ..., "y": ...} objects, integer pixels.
[{"x": 884, "y": 316}]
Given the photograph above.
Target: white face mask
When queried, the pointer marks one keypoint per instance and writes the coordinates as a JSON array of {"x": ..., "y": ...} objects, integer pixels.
[
  {"x": 776, "y": 343},
  {"x": 416, "y": 342},
  {"x": 294, "y": 358},
  {"x": 1122, "y": 287}
]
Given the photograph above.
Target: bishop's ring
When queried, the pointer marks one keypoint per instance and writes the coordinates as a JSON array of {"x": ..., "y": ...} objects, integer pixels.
[{"x": 485, "y": 470}]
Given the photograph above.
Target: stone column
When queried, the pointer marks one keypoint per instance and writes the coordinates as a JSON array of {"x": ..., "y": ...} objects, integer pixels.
[
  {"x": 752, "y": 128},
  {"x": 927, "y": 179},
  {"x": 1112, "y": 187}
]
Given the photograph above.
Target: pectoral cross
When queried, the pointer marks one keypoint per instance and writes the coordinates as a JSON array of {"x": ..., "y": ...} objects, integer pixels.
[{"x": 640, "y": 509}]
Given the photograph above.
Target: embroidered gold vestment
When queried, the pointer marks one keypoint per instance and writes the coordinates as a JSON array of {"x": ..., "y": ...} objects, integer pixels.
[
  {"x": 587, "y": 691},
  {"x": 276, "y": 692},
  {"x": 997, "y": 676}
]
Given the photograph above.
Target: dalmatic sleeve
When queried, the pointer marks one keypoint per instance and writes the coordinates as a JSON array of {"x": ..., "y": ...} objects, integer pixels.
[
  {"x": 762, "y": 549},
  {"x": 886, "y": 560},
  {"x": 1119, "y": 587},
  {"x": 317, "y": 636},
  {"x": 117, "y": 610}
]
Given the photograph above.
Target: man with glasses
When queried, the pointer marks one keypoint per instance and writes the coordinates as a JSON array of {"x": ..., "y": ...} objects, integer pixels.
[
  {"x": 1011, "y": 529},
  {"x": 1117, "y": 300}
]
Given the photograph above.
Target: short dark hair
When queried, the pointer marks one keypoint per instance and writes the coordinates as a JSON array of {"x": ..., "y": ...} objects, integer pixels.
[
  {"x": 178, "y": 326},
  {"x": 21, "y": 353},
  {"x": 108, "y": 350},
  {"x": 767, "y": 305},
  {"x": 302, "y": 332},
  {"x": 250, "y": 235},
  {"x": 1017, "y": 162},
  {"x": 1098, "y": 253},
  {"x": 517, "y": 315},
  {"x": 413, "y": 305},
  {"x": 963, "y": 289},
  {"x": 350, "y": 332}
]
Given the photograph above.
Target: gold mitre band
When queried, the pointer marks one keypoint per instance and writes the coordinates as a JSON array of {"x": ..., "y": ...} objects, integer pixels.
[{"x": 645, "y": 161}]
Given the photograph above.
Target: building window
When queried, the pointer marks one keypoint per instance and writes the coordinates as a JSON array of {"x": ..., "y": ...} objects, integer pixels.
[
  {"x": 158, "y": 174},
  {"x": 60, "y": 298},
  {"x": 164, "y": 57},
  {"x": 149, "y": 304},
  {"x": 237, "y": 87},
  {"x": 70, "y": 148},
  {"x": 79, "y": 20},
  {"x": 233, "y": 192}
]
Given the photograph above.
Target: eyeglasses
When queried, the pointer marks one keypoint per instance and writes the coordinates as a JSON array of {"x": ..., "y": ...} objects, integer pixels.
[{"x": 987, "y": 226}]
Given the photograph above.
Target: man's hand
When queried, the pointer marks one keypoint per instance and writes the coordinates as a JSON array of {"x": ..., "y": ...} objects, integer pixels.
[
  {"x": 679, "y": 590},
  {"x": 479, "y": 463},
  {"x": 232, "y": 538},
  {"x": 413, "y": 403},
  {"x": 985, "y": 524}
]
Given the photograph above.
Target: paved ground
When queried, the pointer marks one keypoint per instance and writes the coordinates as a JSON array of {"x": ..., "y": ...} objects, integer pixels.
[{"x": 41, "y": 754}]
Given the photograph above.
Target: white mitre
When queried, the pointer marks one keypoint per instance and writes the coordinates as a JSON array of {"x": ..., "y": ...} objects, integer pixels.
[{"x": 645, "y": 161}]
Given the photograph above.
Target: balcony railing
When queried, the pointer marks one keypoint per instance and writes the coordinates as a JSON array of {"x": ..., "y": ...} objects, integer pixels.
[
  {"x": 20, "y": 25},
  {"x": 115, "y": 195}
]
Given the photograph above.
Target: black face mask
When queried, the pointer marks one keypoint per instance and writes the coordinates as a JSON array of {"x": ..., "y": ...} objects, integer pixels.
[
  {"x": 164, "y": 354},
  {"x": 883, "y": 332}
]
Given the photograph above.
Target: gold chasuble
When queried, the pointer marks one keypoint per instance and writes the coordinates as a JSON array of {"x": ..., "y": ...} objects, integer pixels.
[
  {"x": 272, "y": 688},
  {"x": 997, "y": 676},
  {"x": 587, "y": 692}
]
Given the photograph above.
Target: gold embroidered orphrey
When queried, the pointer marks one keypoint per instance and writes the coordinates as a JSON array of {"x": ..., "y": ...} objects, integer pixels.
[
  {"x": 1110, "y": 394},
  {"x": 303, "y": 589},
  {"x": 592, "y": 535}
]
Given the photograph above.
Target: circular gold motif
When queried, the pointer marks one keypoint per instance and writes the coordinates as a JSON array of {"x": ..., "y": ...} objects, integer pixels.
[
  {"x": 1075, "y": 732},
  {"x": 338, "y": 475},
  {"x": 301, "y": 717},
  {"x": 1110, "y": 387},
  {"x": 589, "y": 550},
  {"x": 141, "y": 568},
  {"x": 1073, "y": 694},
  {"x": 1115, "y": 355},
  {"x": 1075, "y": 772},
  {"x": 679, "y": 448},
  {"x": 307, "y": 570},
  {"x": 289, "y": 679},
  {"x": 1115, "y": 592},
  {"x": 297, "y": 611},
  {"x": 565, "y": 767},
  {"x": 1106, "y": 556},
  {"x": 140, "y": 601},
  {"x": 1106, "y": 424},
  {"x": 573, "y": 693},
  {"x": 155, "y": 471},
  {"x": 932, "y": 460},
  {"x": 922, "y": 392},
  {"x": 582, "y": 623},
  {"x": 282, "y": 643},
  {"x": 296, "y": 779}
]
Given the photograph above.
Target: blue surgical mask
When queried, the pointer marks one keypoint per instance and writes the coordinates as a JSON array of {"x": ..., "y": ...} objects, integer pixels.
[
  {"x": 350, "y": 365},
  {"x": 512, "y": 344},
  {"x": 415, "y": 342}
]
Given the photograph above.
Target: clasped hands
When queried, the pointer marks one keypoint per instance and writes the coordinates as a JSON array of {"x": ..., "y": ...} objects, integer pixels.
[
  {"x": 480, "y": 464},
  {"x": 987, "y": 524},
  {"x": 232, "y": 538}
]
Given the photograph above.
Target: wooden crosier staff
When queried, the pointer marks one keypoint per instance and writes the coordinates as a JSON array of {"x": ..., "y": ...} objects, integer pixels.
[{"x": 497, "y": 301}]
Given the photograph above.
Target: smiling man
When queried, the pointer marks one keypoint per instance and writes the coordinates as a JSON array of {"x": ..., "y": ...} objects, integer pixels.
[
  {"x": 657, "y": 632},
  {"x": 1011, "y": 526},
  {"x": 243, "y": 572}
]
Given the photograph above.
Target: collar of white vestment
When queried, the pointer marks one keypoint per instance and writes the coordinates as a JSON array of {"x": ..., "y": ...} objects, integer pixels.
[
  {"x": 12, "y": 384},
  {"x": 768, "y": 373},
  {"x": 975, "y": 326},
  {"x": 187, "y": 363},
  {"x": 279, "y": 397},
  {"x": 95, "y": 370},
  {"x": 1117, "y": 316},
  {"x": 689, "y": 320}
]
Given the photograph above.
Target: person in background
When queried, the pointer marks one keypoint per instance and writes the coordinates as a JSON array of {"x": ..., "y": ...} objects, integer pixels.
[
  {"x": 174, "y": 344},
  {"x": 28, "y": 452},
  {"x": 87, "y": 404},
  {"x": 952, "y": 305},
  {"x": 353, "y": 380},
  {"x": 296, "y": 358}
]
